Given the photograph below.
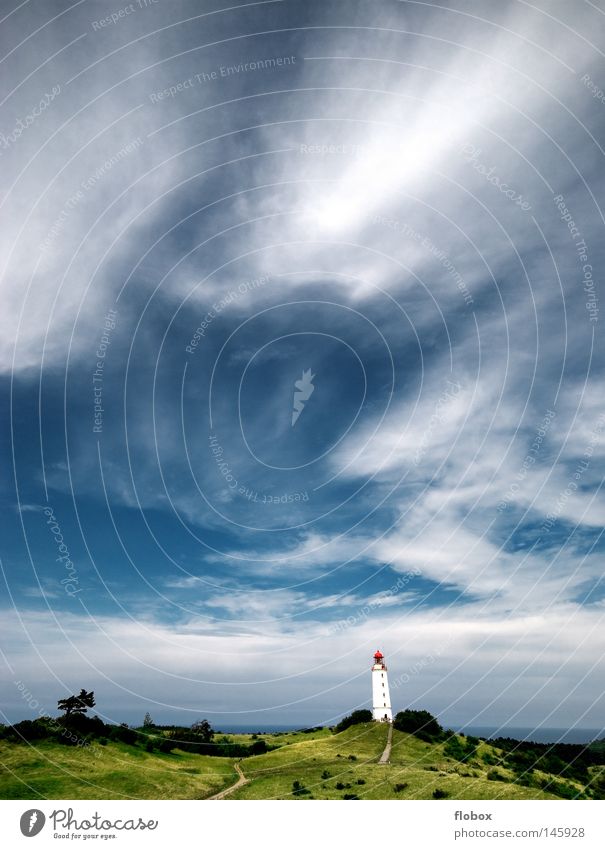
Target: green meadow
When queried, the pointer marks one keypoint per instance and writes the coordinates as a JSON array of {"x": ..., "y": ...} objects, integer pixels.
[
  {"x": 50, "y": 770},
  {"x": 320, "y": 764},
  {"x": 346, "y": 765}
]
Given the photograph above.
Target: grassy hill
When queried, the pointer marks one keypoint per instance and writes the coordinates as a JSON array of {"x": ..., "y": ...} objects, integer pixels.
[
  {"x": 346, "y": 764},
  {"x": 49, "y": 770},
  {"x": 319, "y": 765}
]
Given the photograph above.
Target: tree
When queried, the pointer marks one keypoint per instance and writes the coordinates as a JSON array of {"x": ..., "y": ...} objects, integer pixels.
[
  {"x": 147, "y": 721},
  {"x": 355, "y": 718},
  {"x": 203, "y": 729},
  {"x": 421, "y": 723},
  {"x": 77, "y": 704}
]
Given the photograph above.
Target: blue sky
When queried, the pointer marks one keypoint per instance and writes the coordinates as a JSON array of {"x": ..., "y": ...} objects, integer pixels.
[{"x": 402, "y": 198}]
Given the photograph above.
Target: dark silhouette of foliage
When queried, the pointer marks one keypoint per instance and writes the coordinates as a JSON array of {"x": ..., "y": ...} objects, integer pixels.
[
  {"x": 203, "y": 730},
  {"x": 123, "y": 734},
  {"x": 420, "y": 723},
  {"x": 77, "y": 704},
  {"x": 299, "y": 789},
  {"x": 355, "y": 718}
]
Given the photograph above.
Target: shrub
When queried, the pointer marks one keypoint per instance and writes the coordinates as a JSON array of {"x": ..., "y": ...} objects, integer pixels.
[
  {"x": 564, "y": 790},
  {"x": 352, "y": 757},
  {"x": 325, "y": 774},
  {"x": 440, "y": 794},
  {"x": 350, "y": 796},
  {"x": 27, "y": 730},
  {"x": 399, "y": 788},
  {"x": 79, "y": 724},
  {"x": 149, "y": 747},
  {"x": 166, "y": 747},
  {"x": 123, "y": 734},
  {"x": 355, "y": 718},
  {"x": 299, "y": 789},
  {"x": 460, "y": 750},
  {"x": 340, "y": 785},
  {"x": 360, "y": 781},
  {"x": 494, "y": 775},
  {"x": 420, "y": 723}
]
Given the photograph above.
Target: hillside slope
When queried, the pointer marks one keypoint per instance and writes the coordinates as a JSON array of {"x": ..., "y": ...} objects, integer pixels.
[
  {"x": 316, "y": 765},
  {"x": 50, "y": 770},
  {"x": 346, "y": 765}
]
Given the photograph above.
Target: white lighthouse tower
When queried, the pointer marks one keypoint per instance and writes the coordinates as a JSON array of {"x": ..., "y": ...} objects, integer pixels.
[{"x": 381, "y": 699}]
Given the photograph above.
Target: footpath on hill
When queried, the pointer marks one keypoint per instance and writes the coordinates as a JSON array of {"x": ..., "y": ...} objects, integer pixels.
[
  {"x": 384, "y": 758},
  {"x": 239, "y": 783}
]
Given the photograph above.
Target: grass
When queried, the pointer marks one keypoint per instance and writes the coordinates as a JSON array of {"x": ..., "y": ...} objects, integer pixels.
[
  {"x": 422, "y": 767},
  {"x": 278, "y": 738},
  {"x": 50, "y": 770},
  {"x": 318, "y": 765}
]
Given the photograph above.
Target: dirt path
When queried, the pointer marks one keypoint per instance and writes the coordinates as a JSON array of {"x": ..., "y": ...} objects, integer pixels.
[
  {"x": 239, "y": 783},
  {"x": 384, "y": 758}
]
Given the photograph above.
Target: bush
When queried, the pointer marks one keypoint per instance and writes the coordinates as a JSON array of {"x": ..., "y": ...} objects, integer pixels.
[
  {"x": 325, "y": 774},
  {"x": 460, "y": 750},
  {"x": 440, "y": 794},
  {"x": 80, "y": 725},
  {"x": 494, "y": 775},
  {"x": 350, "y": 796},
  {"x": 360, "y": 781},
  {"x": 597, "y": 784},
  {"x": 28, "y": 730},
  {"x": 123, "y": 734},
  {"x": 340, "y": 785},
  {"x": 149, "y": 747},
  {"x": 166, "y": 747},
  {"x": 299, "y": 789},
  {"x": 564, "y": 790},
  {"x": 352, "y": 757},
  {"x": 399, "y": 788},
  {"x": 355, "y": 718},
  {"x": 420, "y": 723}
]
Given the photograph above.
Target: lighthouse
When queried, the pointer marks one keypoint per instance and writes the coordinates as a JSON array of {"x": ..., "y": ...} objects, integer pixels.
[{"x": 381, "y": 699}]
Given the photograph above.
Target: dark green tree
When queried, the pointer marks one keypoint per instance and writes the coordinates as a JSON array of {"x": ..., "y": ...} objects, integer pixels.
[
  {"x": 203, "y": 729},
  {"x": 355, "y": 718},
  {"x": 421, "y": 723},
  {"x": 77, "y": 704}
]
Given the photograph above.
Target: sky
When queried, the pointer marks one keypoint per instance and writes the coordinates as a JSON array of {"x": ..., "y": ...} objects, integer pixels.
[{"x": 301, "y": 356}]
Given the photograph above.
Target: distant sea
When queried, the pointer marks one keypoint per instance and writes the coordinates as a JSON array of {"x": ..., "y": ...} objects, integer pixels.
[
  {"x": 536, "y": 735},
  {"x": 252, "y": 729}
]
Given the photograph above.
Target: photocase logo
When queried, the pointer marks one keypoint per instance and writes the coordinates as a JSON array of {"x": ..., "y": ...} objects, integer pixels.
[
  {"x": 304, "y": 390},
  {"x": 32, "y": 822}
]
